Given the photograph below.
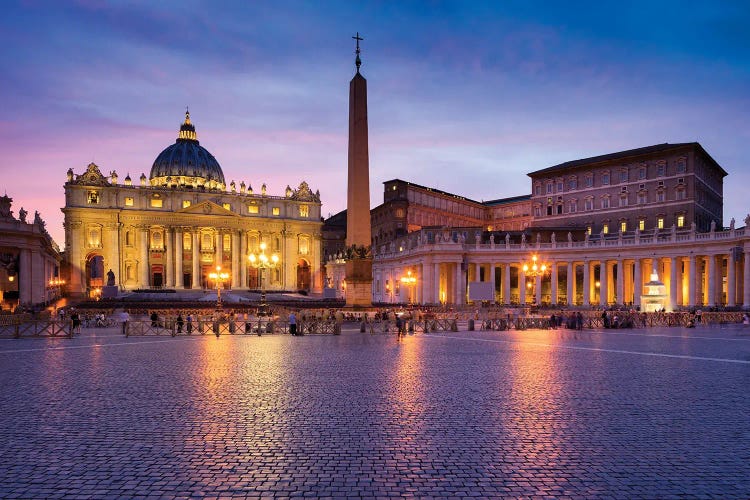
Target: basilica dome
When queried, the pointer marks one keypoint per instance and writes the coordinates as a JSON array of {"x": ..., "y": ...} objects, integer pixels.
[{"x": 186, "y": 164}]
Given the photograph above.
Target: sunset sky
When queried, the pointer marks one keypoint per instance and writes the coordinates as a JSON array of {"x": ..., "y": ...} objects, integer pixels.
[{"x": 467, "y": 97}]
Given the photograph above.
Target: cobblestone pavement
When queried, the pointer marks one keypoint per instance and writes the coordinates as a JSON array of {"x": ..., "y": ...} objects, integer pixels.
[{"x": 658, "y": 413}]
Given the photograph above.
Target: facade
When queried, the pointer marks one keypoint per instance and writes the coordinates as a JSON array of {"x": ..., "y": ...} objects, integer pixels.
[
  {"x": 30, "y": 272},
  {"x": 177, "y": 225},
  {"x": 650, "y": 188}
]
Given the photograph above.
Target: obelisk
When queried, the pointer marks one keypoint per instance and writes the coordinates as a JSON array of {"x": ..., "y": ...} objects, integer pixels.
[{"x": 358, "y": 232}]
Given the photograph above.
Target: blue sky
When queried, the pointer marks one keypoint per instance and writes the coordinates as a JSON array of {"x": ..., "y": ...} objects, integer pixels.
[{"x": 467, "y": 97}]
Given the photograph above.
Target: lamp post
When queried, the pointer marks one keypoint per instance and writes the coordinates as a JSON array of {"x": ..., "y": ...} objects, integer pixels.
[
  {"x": 219, "y": 277},
  {"x": 409, "y": 281},
  {"x": 534, "y": 270},
  {"x": 262, "y": 262}
]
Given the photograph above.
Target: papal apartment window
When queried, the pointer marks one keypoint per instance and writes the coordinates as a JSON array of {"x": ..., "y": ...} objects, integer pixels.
[
  {"x": 660, "y": 196},
  {"x": 537, "y": 190},
  {"x": 680, "y": 194},
  {"x": 588, "y": 230},
  {"x": 129, "y": 201},
  {"x": 589, "y": 181},
  {"x": 605, "y": 228},
  {"x": 605, "y": 202},
  {"x": 624, "y": 200},
  {"x": 681, "y": 166},
  {"x": 537, "y": 211},
  {"x": 559, "y": 209},
  {"x": 641, "y": 198},
  {"x": 252, "y": 209},
  {"x": 660, "y": 170},
  {"x": 588, "y": 204},
  {"x": 660, "y": 222},
  {"x": 186, "y": 203},
  {"x": 623, "y": 226},
  {"x": 549, "y": 188},
  {"x": 573, "y": 206},
  {"x": 559, "y": 186},
  {"x": 572, "y": 184},
  {"x": 641, "y": 173},
  {"x": 93, "y": 197},
  {"x": 642, "y": 225},
  {"x": 605, "y": 179},
  {"x": 275, "y": 211},
  {"x": 623, "y": 176},
  {"x": 680, "y": 221}
]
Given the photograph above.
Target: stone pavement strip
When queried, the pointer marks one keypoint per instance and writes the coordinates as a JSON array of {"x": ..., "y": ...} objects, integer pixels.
[{"x": 659, "y": 413}]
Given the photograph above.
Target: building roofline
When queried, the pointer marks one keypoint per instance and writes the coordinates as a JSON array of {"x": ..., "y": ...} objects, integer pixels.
[
  {"x": 647, "y": 150},
  {"x": 433, "y": 190}
]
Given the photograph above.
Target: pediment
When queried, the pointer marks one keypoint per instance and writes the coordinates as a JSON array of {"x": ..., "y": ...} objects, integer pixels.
[{"x": 207, "y": 208}]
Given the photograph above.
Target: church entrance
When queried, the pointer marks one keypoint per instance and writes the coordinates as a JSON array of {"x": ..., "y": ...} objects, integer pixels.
[
  {"x": 187, "y": 281},
  {"x": 94, "y": 272},
  {"x": 303, "y": 275},
  {"x": 157, "y": 276},
  {"x": 253, "y": 278}
]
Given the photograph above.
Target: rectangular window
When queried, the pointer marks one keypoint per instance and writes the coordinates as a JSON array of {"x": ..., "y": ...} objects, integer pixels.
[
  {"x": 660, "y": 222},
  {"x": 588, "y": 204},
  {"x": 573, "y": 206},
  {"x": 129, "y": 201},
  {"x": 623, "y": 226},
  {"x": 588, "y": 230},
  {"x": 559, "y": 209},
  {"x": 589, "y": 181},
  {"x": 681, "y": 166},
  {"x": 304, "y": 211},
  {"x": 605, "y": 179},
  {"x": 642, "y": 173},
  {"x": 252, "y": 209},
  {"x": 605, "y": 202},
  {"x": 559, "y": 186},
  {"x": 537, "y": 211},
  {"x": 642, "y": 225},
  {"x": 624, "y": 200},
  {"x": 275, "y": 211},
  {"x": 623, "y": 176},
  {"x": 227, "y": 242},
  {"x": 680, "y": 221},
  {"x": 156, "y": 202},
  {"x": 660, "y": 196},
  {"x": 537, "y": 190},
  {"x": 660, "y": 170},
  {"x": 549, "y": 188},
  {"x": 605, "y": 228},
  {"x": 187, "y": 241},
  {"x": 572, "y": 184},
  {"x": 641, "y": 198},
  {"x": 93, "y": 197}
]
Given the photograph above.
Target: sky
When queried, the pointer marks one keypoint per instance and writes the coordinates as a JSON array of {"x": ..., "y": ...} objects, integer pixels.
[{"x": 466, "y": 97}]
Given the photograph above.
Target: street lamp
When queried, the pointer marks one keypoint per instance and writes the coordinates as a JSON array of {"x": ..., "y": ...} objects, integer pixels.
[
  {"x": 262, "y": 261},
  {"x": 409, "y": 281},
  {"x": 534, "y": 270},
  {"x": 219, "y": 277}
]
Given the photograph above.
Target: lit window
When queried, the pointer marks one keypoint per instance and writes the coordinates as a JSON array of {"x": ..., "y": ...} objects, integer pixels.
[
  {"x": 252, "y": 209},
  {"x": 642, "y": 225},
  {"x": 227, "y": 242},
  {"x": 623, "y": 226},
  {"x": 227, "y": 206},
  {"x": 605, "y": 228},
  {"x": 185, "y": 203},
  {"x": 93, "y": 197},
  {"x": 588, "y": 230},
  {"x": 304, "y": 211},
  {"x": 680, "y": 221},
  {"x": 157, "y": 241},
  {"x": 660, "y": 222},
  {"x": 277, "y": 211},
  {"x": 156, "y": 202},
  {"x": 129, "y": 201},
  {"x": 187, "y": 241}
]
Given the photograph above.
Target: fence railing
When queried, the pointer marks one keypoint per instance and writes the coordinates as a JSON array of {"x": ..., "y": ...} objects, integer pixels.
[
  {"x": 37, "y": 328},
  {"x": 256, "y": 326}
]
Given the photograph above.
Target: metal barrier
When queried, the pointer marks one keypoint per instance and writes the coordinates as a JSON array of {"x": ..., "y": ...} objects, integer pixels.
[{"x": 256, "y": 326}]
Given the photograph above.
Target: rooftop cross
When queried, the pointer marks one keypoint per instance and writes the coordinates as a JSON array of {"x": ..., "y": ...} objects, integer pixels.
[{"x": 358, "y": 61}]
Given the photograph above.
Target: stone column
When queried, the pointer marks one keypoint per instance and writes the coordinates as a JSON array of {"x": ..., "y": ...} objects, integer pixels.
[
  {"x": 236, "y": 259},
  {"x": 196, "y": 260},
  {"x": 169, "y": 260},
  {"x": 637, "y": 282},
  {"x": 219, "y": 250},
  {"x": 24, "y": 276},
  {"x": 521, "y": 286},
  {"x": 692, "y": 277},
  {"x": 492, "y": 280},
  {"x": 570, "y": 282},
  {"x": 712, "y": 278},
  {"x": 731, "y": 281},
  {"x": 586, "y": 283},
  {"x": 553, "y": 284},
  {"x": 506, "y": 283},
  {"x": 460, "y": 291},
  {"x": 143, "y": 264},
  {"x": 243, "y": 259},
  {"x": 620, "y": 282},
  {"x": 477, "y": 272},
  {"x": 178, "y": 278},
  {"x": 436, "y": 281},
  {"x": 746, "y": 280},
  {"x": 673, "y": 262},
  {"x": 603, "y": 283},
  {"x": 538, "y": 288}
]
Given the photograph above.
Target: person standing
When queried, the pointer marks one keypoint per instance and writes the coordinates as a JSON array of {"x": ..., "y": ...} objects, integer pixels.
[
  {"x": 189, "y": 323},
  {"x": 180, "y": 322},
  {"x": 292, "y": 323}
]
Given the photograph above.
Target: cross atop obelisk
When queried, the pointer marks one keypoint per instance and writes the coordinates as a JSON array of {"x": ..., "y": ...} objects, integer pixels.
[{"x": 358, "y": 61}]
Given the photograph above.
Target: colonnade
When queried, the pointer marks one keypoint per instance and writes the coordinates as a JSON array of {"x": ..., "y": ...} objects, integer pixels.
[{"x": 692, "y": 276}]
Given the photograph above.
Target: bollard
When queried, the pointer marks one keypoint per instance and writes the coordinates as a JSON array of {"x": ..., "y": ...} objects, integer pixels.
[{"x": 471, "y": 325}]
